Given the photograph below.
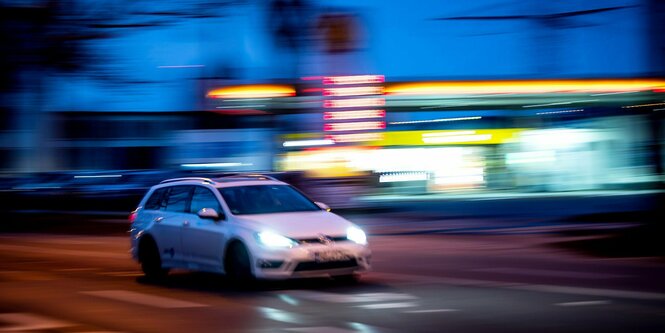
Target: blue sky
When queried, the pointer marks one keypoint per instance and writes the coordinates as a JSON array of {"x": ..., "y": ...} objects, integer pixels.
[{"x": 401, "y": 41}]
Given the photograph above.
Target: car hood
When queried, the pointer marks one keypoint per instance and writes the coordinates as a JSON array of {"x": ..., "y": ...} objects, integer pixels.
[{"x": 297, "y": 224}]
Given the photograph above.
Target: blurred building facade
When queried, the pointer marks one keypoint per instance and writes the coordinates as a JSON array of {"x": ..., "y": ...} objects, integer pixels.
[{"x": 453, "y": 96}]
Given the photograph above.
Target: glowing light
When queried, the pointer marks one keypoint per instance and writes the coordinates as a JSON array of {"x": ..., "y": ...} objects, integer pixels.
[
  {"x": 272, "y": 239},
  {"x": 562, "y": 111},
  {"x": 359, "y": 114},
  {"x": 181, "y": 66},
  {"x": 214, "y": 165},
  {"x": 253, "y": 91},
  {"x": 456, "y": 136},
  {"x": 356, "y": 235},
  {"x": 99, "y": 176},
  {"x": 325, "y": 161},
  {"x": 304, "y": 143},
  {"x": 642, "y": 105},
  {"x": 356, "y": 137},
  {"x": 556, "y": 138},
  {"x": 357, "y": 126},
  {"x": 434, "y": 120},
  {"x": 560, "y": 103},
  {"x": 352, "y": 91},
  {"x": 403, "y": 177},
  {"x": 354, "y": 103},
  {"x": 355, "y": 79},
  {"x": 458, "y": 180},
  {"x": 415, "y": 138},
  {"x": 524, "y": 87},
  {"x": 541, "y": 156}
]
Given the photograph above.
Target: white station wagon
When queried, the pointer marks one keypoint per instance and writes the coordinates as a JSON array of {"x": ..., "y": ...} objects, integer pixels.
[{"x": 245, "y": 226}]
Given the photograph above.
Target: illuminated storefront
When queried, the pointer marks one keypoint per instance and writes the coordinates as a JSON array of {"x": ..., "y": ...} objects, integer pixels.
[{"x": 545, "y": 135}]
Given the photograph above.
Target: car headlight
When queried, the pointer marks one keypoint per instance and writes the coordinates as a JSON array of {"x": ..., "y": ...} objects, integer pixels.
[
  {"x": 272, "y": 239},
  {"x": 356, "y": 235}
]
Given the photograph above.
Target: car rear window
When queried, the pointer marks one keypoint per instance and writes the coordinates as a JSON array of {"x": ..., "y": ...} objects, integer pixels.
[
  {"x": 178, "y": 199},
  {"x": 155, "y": 200}
]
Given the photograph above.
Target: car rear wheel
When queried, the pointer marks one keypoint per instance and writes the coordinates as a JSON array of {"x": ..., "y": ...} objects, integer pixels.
[
  {"x": 151, "y": 262},
  {"x": 237, "y": 265}
]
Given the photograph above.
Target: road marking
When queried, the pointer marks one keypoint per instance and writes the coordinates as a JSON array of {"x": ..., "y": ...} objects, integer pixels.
[
  {"x": 543, "y": 272},
  {"x": 350, "y": 298},
  {"x": 288, "y": 299},
  {"x": 387, "y": 305},
  {"x": 583, "y": 303},
  {"x": 281, "y": 315},
  {"x": 430, "y": 311},
  {"x": 30, "y": 322},
  {"x": 319, "y": 329},
  {"x": 421, "y": 279},
  {"x": 143, "y": 299},
  {"x": 62, "y": 252}
]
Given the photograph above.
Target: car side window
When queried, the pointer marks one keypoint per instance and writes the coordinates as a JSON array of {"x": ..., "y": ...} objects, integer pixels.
[
  {"x": 204, "y": 198},
  {"x": 155, "y": 200},
  {"x": 178, "y": 199}
]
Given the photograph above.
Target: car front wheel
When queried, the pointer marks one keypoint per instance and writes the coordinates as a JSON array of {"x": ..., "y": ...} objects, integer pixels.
[{"x": 237, "y": 264}]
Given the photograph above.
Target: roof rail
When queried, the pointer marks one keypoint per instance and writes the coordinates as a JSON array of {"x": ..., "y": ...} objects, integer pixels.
[
  {"x": 207, "y": 180},
  {"x": 249, "y": 175}
]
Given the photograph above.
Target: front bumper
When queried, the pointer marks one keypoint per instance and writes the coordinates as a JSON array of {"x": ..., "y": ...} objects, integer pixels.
[{"x": 307, "y": 261}]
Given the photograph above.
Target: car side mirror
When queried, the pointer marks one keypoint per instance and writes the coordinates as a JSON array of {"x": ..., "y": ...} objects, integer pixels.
[
  {"x": 210, "y": 214},
  {"x": 322, "y": 206}
]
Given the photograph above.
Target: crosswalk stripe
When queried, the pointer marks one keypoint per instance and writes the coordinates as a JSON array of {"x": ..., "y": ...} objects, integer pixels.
[
  {"x": 319, "y": 329},
  {"x": 430, "y": 310},
  {"x": 377, "y": 306},
  {"x": 583, "y": 303},
  {"x": 350, "y": 298}
]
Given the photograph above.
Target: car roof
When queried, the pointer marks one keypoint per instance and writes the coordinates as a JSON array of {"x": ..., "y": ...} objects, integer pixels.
[{"x": 225, "y": 181}]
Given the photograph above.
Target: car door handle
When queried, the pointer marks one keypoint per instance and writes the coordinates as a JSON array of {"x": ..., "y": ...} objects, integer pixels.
[
  {"x": 186, "y": 223},
  {"x": 159, "y": 219}
]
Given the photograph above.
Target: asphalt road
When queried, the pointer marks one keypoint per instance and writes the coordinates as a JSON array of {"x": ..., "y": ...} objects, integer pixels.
[{"x": 421, "y": 283}]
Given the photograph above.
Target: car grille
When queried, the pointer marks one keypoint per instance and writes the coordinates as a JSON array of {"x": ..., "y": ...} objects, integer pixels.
[
  {"x": 315, "y": 266},
  {"x": 318, "y": 241}
]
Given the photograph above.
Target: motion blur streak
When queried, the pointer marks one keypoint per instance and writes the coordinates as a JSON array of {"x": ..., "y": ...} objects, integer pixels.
[
  {"x": 252, "y": 91},
  {"x": 502, "y": 156},
  {"x": 522, "y": 87}
]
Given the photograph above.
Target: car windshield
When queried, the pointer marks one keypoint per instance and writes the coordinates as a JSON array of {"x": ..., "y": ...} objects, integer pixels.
[{"x": 265, "y": 199}]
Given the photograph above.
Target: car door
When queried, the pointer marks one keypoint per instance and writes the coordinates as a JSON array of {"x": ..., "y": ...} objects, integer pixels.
[
  {"x": 203, "y": 239},
  {"x": 169, "y": 222}
]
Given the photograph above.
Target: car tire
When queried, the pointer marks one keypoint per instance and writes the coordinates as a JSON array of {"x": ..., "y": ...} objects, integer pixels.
[
  {"x": 347, "y": 278},
  {"x": 151, "y": 261},
  {"x": 237, "y": 265}
]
